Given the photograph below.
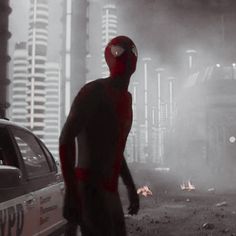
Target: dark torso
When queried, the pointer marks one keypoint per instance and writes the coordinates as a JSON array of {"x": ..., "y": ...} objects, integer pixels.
[{"x": 106, "y": 131}]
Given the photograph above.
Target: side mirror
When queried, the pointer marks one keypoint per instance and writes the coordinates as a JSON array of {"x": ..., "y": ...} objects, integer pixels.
[{"x": 9, "y": 176}]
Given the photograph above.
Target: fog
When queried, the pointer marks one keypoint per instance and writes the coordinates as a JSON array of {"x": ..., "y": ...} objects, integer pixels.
[{"x": 197, "y": 145}]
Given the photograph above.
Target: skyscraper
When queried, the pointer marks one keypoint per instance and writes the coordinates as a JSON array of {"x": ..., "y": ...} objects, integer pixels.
[
  {"x": 109, "y": 30},
  {"x": 52, "y": 107},
  {"x": 36, "y": 83},
  {"x": 37, "y": 52},
  {"x": 19, "y": 88}
]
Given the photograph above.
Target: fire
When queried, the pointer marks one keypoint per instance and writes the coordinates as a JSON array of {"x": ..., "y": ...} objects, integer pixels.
[
  {"x": 188, "y": 186},
  {"x": 145, "y": 191}
]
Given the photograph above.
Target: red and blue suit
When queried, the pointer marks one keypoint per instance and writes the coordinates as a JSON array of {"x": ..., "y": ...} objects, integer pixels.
[{"x": 97, "y": 127}]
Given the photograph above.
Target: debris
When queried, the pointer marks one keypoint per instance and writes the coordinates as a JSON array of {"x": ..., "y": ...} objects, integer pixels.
[
  {"x": 209, "y": 226},
  {"x": 139, "y": 229},
  {"x": 188, "y": 186},
  {"x": 162, "y": 169},
  {"x": 219, "y": 215},
  {"x": 220, "y": 204},
  {"x": 225, "y": 231},
  {"x": 145, "y": 191},
  {"x": 165, "y": 222},
  {"x": 188, "y": 200},
  {"x": 154, "y": 221},
  {"x": 211, "y": 190},
  {"x": 233, "y": 212}
]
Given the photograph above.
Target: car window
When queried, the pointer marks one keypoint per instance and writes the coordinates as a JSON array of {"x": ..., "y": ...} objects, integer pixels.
[
  {"x": 7, "y": 152},
  {"x": 50, "y": 158},
  {"x": 33, "y": 156}
]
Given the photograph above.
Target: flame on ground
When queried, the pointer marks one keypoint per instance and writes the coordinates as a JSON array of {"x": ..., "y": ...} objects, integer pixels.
[
  {"x": 145, "y": 191},
  {"x": 188, "y": 186}
]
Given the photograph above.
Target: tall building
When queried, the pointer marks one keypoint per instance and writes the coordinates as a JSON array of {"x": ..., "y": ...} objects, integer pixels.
[
  {"x": 19, "y": 88},
  {"x": 52, "y": 107},
  {"x": 37, "y": 52},
  {"x": 109, "y": 31}
]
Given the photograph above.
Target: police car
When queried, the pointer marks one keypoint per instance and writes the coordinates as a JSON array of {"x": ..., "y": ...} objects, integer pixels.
[{"x": 31, "y": 188}]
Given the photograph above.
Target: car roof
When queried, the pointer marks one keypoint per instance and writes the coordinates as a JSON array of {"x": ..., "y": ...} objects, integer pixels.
[{"x": 6, "y": 122}]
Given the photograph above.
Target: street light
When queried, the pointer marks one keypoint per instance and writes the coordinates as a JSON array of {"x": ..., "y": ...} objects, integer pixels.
[
  {"x": 190, "y": 53},
  {"x": 159, "y": 72},
  {"x": 234, "y": 67},
  {"x": 171, "y": 100},
  {"x": 160, "y": 151},
  {"x": 232, "y": 139},
  {"x": 146, "y": 60},
  {"x": 135, "y": 130}
]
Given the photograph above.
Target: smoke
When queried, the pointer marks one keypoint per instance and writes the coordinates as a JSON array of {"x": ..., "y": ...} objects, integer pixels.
[
  {"x": 163, "y": 31},
  {"x": 168, "y": 28}
]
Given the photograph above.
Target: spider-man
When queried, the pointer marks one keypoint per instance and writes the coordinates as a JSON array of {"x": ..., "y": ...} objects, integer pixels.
[{"x": 100, "y": 120}]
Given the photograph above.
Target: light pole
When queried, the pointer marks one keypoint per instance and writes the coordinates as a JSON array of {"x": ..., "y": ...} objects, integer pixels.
[
  {"x": 160, "y": 141},
  {"x": 234, "y": 67},
  {"x": 135, "y": 124},
  {"x": 146, "y": 124},
  {"x": 171, "y": 100},
  {"x": 190, "y": 53}
]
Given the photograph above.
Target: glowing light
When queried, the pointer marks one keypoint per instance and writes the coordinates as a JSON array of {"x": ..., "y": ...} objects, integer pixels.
[
  {"x": 218, "y": 65},
  {"x": 145, "y": 191},
  {"x": 191, "y": 51},
  {"x": 188, "y": 186},
  {"x": 232, "y": 139}
]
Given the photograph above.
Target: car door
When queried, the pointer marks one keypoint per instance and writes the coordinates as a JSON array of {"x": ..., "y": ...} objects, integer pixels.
[
  {"x": 42, "y": 181},
  {"x": 52, "y": 198},
  {"x": 17, "y": 208}
]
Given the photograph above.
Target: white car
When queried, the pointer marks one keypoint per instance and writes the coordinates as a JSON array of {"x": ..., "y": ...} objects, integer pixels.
[{"x": 31, "y": 188}]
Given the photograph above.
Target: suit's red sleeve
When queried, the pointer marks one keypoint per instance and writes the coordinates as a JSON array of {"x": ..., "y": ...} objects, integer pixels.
[{"x": 82, "y": 108}]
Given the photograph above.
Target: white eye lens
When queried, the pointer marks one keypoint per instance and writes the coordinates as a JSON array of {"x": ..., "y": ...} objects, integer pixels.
[
  {"x": 117, "y": 51},
  {"x": 134, "y": 50}
]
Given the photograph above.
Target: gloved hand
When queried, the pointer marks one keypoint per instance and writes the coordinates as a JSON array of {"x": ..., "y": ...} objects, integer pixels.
[
  {"x": 133, "y": 201},
  {"x": 72, "y": 207}
]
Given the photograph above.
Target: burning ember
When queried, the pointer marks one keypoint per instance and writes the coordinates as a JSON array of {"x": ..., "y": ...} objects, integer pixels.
[
  {"x": 188, "y": 186},
  {"x": 145, "y": 191}
]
